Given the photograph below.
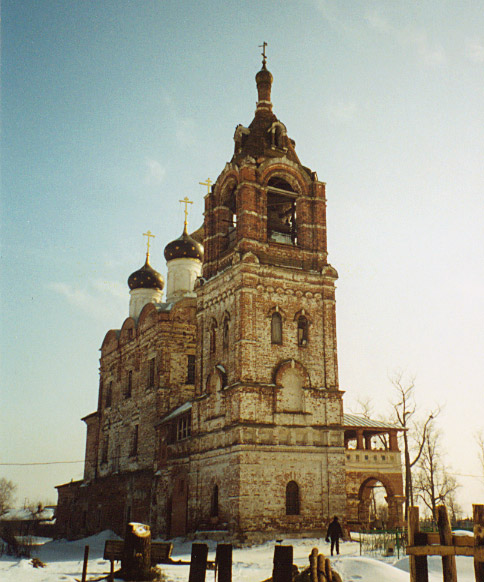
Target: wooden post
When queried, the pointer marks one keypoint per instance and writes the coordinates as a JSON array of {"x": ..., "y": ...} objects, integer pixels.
[
  {"x": 449, "y": 568},
  {"x": 223, "y": 562},
  {"x": 321, "y": 568},
  {"x": 198, "y": 563},
  {"x": 313, "y": 564},
  {"x": 478, "y": 511},
  {"x": 282, "y": 570},
  {"x": 327, "y": 570},
  {"x": 419, "y": 571},
  {"x": 136, "y": 560},
  {"x": 84, "y": 565}
]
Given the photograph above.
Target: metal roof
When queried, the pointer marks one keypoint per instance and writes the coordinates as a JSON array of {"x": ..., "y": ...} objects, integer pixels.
[{"x": 355, "y": 420}]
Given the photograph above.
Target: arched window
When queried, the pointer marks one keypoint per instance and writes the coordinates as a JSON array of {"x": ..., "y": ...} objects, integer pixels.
[
  {"x": 109, "y": 394},
  {"x": 302, "y": 331},
  {"x": 214, "y": 502},
  {"x": 226, "y": 333},
  {"x": 129, "y": 384},
  {"x": 292, "y": 498},
  {"x": 213, "y": 337},
  {"x": 276, "y": 328}
]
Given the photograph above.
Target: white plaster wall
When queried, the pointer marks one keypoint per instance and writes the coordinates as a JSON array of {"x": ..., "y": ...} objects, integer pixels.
[
  {"x": 182, "y": 274},
  {"x": 141, "y": 297}
]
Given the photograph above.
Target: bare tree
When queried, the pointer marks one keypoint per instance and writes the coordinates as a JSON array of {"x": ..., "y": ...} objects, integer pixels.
[
  {"x": 434, "y": 484},
  {"x": 455, "y": 509},
  {"x": 7, "y": 490},
  {"x": 479, "y": 436},
  {"x": 404, "y": 408}
]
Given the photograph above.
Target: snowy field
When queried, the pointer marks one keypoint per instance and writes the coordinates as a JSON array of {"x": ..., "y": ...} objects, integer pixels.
[{"x": 253, "y": 564}]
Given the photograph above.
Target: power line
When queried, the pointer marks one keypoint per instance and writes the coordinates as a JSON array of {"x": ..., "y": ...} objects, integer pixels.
[{"x": 31, "y": 464}]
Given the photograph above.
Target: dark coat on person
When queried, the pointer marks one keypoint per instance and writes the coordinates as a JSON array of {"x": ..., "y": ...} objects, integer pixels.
[{"x": 334, "y": 530}]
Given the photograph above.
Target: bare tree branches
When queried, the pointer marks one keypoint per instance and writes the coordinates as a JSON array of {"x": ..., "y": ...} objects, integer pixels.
[
  {"x": 7, "y": 490},
  {"x": 404, "y": 408},
  {"x": 479, "y": 436},
  {"x": 434, "y": 484}
]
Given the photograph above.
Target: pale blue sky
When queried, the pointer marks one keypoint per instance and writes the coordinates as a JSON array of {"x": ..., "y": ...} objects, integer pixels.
[{"x": 112, "y": 111}]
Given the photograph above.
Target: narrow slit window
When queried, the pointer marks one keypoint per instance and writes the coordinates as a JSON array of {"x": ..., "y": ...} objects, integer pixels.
[
  {"x": 134, "y": 446},
  {"x": 213, "y": 338},
  {"x": 109, "y": 395},
  {"x": 226, "y": 334},
  {"x": 190, "y": 369},
  {"x": 292, "y": 498},
  {"x": 214, "y": 502},
  {"x": 129, "y": 384},
  {"x": 302, "y": 331},
  {"x": 151, "y": 378},
  {"x": 276, "y": 328}
]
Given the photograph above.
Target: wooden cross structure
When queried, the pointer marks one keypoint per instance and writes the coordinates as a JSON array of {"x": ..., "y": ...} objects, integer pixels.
[{"x": 444, "y": 544}]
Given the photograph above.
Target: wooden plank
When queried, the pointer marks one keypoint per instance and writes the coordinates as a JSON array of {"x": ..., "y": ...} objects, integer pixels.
[
  {"x": 161, "y": 552},
  {"x": 440, "y": 551},
  {"x": 449, "y": 568},
  {"x": 478, "y": 511},
  {"x": 223, "y": 561},
  {"x": 432, "y": 538},
  {"x": 418, "y": 564},
  {"x": 282, "y": 564},
  {"x": 462, "y": 540},
  {"x": 113, "y": 549},
  {"x": 198, "y": 563}
]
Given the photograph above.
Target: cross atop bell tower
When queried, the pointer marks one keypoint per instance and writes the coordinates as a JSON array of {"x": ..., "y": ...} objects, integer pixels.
[{"x": 264, "y": 57}]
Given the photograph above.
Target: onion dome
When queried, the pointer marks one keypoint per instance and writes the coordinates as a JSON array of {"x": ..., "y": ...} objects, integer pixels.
[
  {"x": 146, "y": 278},
  {"x": 185, "y": 247}
]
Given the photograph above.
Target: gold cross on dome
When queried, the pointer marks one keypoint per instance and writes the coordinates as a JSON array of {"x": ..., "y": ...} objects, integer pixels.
[
  {"x": 186, "y": 201},
  {"x": 207, "y": 183},
  {"x": 263, "y": 53},
  {"x": 149, "y": 235}
]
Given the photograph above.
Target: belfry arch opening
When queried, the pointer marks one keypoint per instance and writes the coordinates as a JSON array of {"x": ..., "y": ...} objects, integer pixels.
[{"x": 281, "y": 212}]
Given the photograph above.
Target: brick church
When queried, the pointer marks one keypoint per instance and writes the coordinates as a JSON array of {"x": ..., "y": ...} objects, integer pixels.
[{"x": 219, "y": 406}]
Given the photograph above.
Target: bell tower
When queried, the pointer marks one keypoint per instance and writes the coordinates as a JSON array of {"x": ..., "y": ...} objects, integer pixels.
[{"x": 268, "y": 400}]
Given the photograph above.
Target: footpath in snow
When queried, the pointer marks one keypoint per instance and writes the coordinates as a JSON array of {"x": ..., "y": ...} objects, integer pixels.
[{"x": 63, "y": 561}]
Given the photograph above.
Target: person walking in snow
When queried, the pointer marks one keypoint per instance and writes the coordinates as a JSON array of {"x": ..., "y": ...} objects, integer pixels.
[{"x": 334, "y": 534}]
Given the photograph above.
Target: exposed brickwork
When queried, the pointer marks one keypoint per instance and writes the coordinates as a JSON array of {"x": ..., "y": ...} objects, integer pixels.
[{"x": 263, "y": 415}]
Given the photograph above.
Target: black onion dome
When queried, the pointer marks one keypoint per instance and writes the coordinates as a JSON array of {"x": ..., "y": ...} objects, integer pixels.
[
  {"x": 146, "y": 278},
  {"x": 184, "y": 247}
]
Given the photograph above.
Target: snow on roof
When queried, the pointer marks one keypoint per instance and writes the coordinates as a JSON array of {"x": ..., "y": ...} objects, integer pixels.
[
  {"x": 180, "y": 410},
  {"x": 27, "y": 515},
  {"x": 356, "y": 420}
]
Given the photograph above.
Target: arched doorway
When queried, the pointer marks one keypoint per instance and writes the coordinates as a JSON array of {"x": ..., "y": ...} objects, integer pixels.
[{"x": 374, "y": 504}]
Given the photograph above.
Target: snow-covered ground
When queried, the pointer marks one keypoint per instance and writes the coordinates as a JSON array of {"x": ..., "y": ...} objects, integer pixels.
[{"x": 252, "y": 564}]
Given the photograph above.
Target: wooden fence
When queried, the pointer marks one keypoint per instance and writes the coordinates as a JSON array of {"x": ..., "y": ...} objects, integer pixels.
[{"x": 444, "y": 544}]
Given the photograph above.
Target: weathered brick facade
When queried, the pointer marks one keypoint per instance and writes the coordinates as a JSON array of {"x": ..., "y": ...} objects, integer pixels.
[{"x": 223, "y": 411}]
